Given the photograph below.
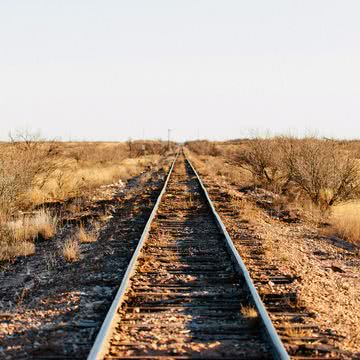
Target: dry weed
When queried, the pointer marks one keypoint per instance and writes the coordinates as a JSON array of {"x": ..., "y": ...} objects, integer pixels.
[
  {"x": 11, "y": 249},
  {"x": 17, "y": 236},
  {"x": 297, "y": 332},
  {"x": 345, "y": 222},
  {"x": 85, "y": 236},
  {"x": 71, "y": 250},
  {"x": 248, "y": 212},
  {"x": 42, "y": 224},
  {"x": 251, "y": 314},
  {"x": 249, "y": 311}
]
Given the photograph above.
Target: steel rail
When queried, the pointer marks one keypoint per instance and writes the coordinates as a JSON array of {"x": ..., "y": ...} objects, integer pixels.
[
  {"x": 278, "y": 348},
  {"x": 101, "y": 344}
]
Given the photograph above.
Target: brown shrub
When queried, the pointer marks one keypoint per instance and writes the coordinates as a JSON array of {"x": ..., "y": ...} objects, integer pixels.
[
  {"x": 142, "y": 148},
  {"x": 20, "y": 163},
  {"x": 203, "y": 147},
  {"x": 320, "y": 170},
  {"x": 324, "y": 171},
  {"x": 262, "y": 158},
  {"x": 33, "y": 171}
]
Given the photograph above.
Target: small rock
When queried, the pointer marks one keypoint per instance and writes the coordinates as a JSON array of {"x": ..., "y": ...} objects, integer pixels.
[
  {"x": 298, "y": 319},
  {"x": 86, "y": 323},
  {"x": 337, "y": 269}
]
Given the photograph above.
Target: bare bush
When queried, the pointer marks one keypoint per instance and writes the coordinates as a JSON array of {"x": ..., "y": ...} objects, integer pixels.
[
  {"x": 203, "y": 147},
  {"x": 21, "y": 161},
  {"x": 323, "y": 172},
  {"x": 142, "y": 148},
  {"x": 262, "y": 158}
]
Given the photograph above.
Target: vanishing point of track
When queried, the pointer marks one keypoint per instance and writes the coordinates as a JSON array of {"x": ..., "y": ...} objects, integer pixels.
[{"x": 186, "y": 292}]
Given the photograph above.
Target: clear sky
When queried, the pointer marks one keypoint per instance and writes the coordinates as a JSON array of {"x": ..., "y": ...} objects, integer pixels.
[{"x": 114, "y": 69}]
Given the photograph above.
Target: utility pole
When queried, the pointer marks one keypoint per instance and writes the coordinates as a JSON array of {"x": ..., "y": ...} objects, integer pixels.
[{"x": 169, "y": 133}]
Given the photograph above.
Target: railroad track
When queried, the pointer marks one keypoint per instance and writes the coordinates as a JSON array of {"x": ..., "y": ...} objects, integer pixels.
[{"x": 186, "y": 292}]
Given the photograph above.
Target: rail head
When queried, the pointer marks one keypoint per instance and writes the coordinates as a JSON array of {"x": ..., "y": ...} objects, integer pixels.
[
  {"x": 278, "y": 348},
  {"x": 101, "y": 344}
]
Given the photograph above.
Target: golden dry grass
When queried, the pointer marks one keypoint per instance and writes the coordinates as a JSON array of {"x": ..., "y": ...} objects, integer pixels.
[
  {"x": 249, "y": 312},
  {"x": 34, "y": 171},
  {"x": 345, "y": 221},
  {"x": 12, "y": 249},
  {"x": 17, "y": 236},
  {"x": 292, "y": 331},
  {"x": 252, "y": 316},
  {"x": 42, "y": 224},
  {"x": 78, "y": 178},
  {"x": 85, "y": 236},
  {"x": 71, "y": 250}
]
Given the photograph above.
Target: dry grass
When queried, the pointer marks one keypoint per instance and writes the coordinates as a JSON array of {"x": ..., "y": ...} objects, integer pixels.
[
  {"x": 17, "y": 236},
  {"x": 41, "y": 225},
  {"x": 85, "y": 236},
  {"x": 293, "y": 331},
  {"x": 79, "y": 179},
  {"x": 71, "y": 250},
  {"x": 10, "y": 249},
  {"x": 249, "y": 212},
  {"x": 33, "y": 171},
  {"x": 345, "y": 222},
  {"x": 249, "y": 312}
]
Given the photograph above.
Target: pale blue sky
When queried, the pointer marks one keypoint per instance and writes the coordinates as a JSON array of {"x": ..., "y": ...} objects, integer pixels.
[{"x": 113, "y": 69}]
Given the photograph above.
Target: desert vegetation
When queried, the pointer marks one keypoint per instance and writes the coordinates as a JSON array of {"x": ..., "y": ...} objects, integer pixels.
[
  {"x": 314, "y": 174},
  {"x": 71, "y": 250},
  {"x": 35, "y": 173}
]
